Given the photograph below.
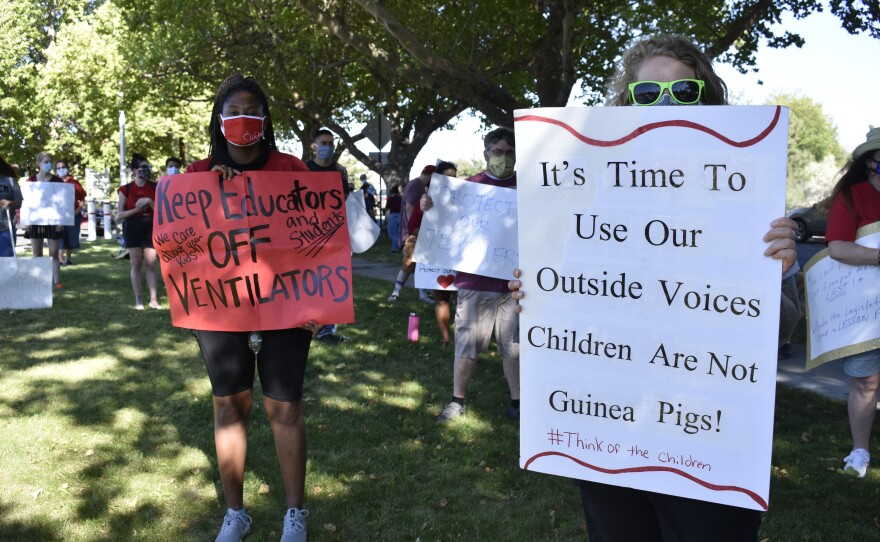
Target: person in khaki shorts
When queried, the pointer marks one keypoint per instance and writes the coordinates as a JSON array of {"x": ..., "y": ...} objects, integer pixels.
[{"x": 484, "y": 303}]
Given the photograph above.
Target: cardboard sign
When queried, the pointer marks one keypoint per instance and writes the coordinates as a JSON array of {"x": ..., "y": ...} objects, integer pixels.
[
  {"x": 362, "y": 230},
  {"x": 471, "y": 228},
  {"x": 266, "y": 250},
  {"x": 26, "y": 283},
  {"x": 434, "y": 278},
  {"x": 46, "y": 204},
  {"x": 649, "y": 330},
  {"x": 843, "y": 304}
]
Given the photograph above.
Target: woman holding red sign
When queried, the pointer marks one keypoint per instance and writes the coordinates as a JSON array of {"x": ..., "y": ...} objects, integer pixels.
[{"x": 242, "y": 139}]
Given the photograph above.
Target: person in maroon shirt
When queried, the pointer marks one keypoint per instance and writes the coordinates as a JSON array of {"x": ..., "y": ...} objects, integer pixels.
[
  {"x": 135, "y": 209},
  {"x": 856, "y": 203},
  {"x": 242, "y": 139},
  {"x": 485, "y": 305}
]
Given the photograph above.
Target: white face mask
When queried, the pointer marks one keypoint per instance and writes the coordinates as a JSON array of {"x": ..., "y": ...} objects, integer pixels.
[
  {"x": 171, "y": 170},
  {"x": 62, "y": 172}
]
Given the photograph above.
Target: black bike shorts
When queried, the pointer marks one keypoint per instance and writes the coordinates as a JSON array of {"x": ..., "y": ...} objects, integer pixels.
[{"x": 281, "y": 362}]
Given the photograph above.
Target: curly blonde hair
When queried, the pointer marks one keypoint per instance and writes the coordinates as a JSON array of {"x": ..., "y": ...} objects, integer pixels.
[{"x": 673, "y": 46}]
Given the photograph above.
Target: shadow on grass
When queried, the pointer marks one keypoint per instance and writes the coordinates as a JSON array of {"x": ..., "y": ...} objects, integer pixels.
[{"x": 130, "y": 389}]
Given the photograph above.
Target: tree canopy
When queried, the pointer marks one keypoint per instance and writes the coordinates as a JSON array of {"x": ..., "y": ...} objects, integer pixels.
[{"x": 335, "y": 63}]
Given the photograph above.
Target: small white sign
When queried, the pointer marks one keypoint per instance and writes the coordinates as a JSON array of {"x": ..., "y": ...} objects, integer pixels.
[
  {"x": 434, "y": 278},
  {"x": 362, "y": 230},
  {"x": 27, "y": 283},
  {"x": 843, "y": 304},
  {"x": 46, "y": 204},
  {"x": 472, "y": 227}
]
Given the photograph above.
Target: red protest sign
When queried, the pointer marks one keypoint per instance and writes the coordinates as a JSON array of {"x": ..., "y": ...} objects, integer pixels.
[{"x": 266, "y": 250}]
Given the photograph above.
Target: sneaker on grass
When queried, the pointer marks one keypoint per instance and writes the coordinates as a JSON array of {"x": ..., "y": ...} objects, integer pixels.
[
  {"x": 450, "y": 412},
  {"x": 857, "y": 462},
  {"x": 294, "y": 525},
  {"x": 236, "y": 524}
]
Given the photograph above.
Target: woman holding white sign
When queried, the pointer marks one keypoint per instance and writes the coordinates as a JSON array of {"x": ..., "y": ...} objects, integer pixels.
[
  {"x": 53, "y": 234},
  {"x": 857, "y": 203},
  {"x": 242, "y": 139},
  {"x": 670, "y": 70}
]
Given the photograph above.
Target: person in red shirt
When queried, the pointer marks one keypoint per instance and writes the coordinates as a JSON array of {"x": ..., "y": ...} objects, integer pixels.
[
  {"x": 70, "y": 240},
  {"x": 242, "y": 139},
  {"x": 856, "y": 203},
  {"x": 135, "y": 209}
]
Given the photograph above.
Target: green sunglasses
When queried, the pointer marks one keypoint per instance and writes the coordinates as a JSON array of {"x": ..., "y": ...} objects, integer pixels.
[{"x": 684, "y": 91}]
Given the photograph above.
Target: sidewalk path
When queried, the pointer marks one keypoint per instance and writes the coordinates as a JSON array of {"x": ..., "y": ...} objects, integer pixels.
[{"x": 827, "y": 379}]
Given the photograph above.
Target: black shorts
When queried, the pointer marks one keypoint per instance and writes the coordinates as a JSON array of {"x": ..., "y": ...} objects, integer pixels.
[
  {"x": 137, "y": 232},
  {"x": 281, "y": 362}
]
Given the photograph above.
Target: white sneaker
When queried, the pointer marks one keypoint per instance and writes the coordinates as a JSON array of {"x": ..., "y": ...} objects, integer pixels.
[
  {"x": 294, "y": 525},
  {"x": 857, "y": 462},
  {"x": 236, "y": 524}
]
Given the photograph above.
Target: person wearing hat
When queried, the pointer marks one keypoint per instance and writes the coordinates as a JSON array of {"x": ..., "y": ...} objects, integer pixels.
[
  {"x": 413, "y": 192},
  {"x": 856, "y": 203}
]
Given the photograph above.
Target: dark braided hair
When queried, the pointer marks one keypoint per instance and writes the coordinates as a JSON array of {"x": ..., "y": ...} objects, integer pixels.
[{"x": 231, "y": 85}]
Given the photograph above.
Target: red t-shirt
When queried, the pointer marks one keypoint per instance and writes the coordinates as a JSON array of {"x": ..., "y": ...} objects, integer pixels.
[
  {"x": 132, "y": 193},
  {"x": 843, "y": 222},
  {"x": 79, "y": 193},
  {"x": 278, "y": 161}
]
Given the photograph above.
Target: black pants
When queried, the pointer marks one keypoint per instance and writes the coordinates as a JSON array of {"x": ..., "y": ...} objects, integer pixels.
[{"x": 621, "y": 514}]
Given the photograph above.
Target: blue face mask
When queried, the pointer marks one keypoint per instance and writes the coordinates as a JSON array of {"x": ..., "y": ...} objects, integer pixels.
[
  {"x": 46, "y": 167},
  {"x": 325, "y": 152}
]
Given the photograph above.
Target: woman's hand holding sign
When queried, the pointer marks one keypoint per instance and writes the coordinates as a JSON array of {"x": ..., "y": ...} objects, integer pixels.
[
  {"x": 227, "y": 172},
  {"x": 782, "y": 245}
]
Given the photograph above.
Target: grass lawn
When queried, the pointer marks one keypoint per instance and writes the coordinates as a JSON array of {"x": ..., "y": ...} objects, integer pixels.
[{"x": 106, "y": 427}]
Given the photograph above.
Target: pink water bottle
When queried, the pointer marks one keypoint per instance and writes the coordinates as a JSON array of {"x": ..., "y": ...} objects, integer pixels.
[{"x": 412, "y": 332}]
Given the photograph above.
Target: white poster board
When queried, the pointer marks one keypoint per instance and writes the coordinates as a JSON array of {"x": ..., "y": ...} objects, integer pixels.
[
  {"x": 843, "y": 304},
  {"x": 47, "y": 204},
  {"x": 649, "y": 332},
  {"x": 25, "y": 283},
  {"x": 471, "y": 227},
  {"x": 434, "y": 278},
  {"x": 362, "y": 230}
]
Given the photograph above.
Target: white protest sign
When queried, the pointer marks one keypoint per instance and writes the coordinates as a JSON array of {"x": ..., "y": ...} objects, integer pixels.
[
  {"x": 434, "y": 278},
  {"x": 471, "y": 228},
  {"x": 46, "y": 204},
  {"x": 843, "y": 304},
  {"x": 362, "y": 231},
  {"x": 649, "y": 332},
  {"x": 26, "y": 283}
]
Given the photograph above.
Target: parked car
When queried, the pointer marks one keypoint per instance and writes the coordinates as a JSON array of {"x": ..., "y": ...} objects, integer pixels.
[{"x": 811, "y": 221}]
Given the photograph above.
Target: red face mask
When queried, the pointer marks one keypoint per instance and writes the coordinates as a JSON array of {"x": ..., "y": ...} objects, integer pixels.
[{"x": 242, "y": 130}]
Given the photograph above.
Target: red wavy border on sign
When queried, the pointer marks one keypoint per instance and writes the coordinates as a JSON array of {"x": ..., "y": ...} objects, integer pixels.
[
  {"x": 655, "y": 126},
  {"x": 754, "y": 496}
]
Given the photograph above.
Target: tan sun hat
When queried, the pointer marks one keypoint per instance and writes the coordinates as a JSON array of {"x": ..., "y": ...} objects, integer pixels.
[{"x": 872, "y": 143}]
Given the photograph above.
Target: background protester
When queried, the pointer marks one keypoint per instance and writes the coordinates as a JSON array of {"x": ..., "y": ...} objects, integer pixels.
[
  {"x": 414, "y": 190},
  {"x": 172, "y": 166},
  {"x": 392, "y": 211},
  {"x": 70, "y": 239},
  {"x": 324, "y": 151},
  {"x": 616, "y": 513},
  {"x": 243, "y": 139},
  {"x": 53, "y": 234},
  {"x": 10, "y": 200},
  {"x": 443, "y": 298},
  {"x": 856, "y": 203},
  {"x": 135, "y": 209}
]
